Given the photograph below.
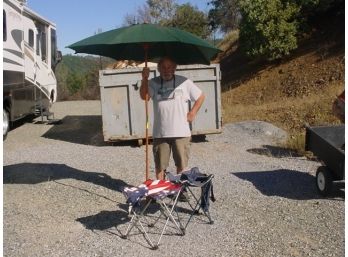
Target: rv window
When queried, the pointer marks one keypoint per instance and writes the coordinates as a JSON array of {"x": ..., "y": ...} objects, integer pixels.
[
  {"x": 43, "y": 47},
  {"x": 31, "y": 38},
  {"x": 4, "y": 34},
  {"x": 53, "y": 48},
  {"x": 38, "y": 44}
]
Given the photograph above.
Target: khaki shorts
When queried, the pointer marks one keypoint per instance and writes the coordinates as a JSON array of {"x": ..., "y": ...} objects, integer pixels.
[{"x": 162, "y": 147}]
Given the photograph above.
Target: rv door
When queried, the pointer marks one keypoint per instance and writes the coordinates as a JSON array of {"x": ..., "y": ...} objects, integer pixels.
[{"x": 30, "y": 55}]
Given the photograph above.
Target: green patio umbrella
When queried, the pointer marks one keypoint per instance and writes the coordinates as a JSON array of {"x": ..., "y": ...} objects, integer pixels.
[
  {"x": 127, "y": 43},
  {"x": 148, "y": 42}
]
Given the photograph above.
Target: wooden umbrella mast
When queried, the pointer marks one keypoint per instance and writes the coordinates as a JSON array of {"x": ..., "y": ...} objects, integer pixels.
[{"x": 146, "y": 48}]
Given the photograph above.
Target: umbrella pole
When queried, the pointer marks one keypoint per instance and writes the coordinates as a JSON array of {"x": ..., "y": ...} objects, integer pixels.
[{"x": 147, "y": 121}]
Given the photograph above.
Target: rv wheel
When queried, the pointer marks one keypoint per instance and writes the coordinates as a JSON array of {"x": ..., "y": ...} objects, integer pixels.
[{"x": 6, "y": 123}]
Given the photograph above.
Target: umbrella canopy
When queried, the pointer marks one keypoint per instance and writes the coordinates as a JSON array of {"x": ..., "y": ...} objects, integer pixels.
[{"x": 128, "y": 43}]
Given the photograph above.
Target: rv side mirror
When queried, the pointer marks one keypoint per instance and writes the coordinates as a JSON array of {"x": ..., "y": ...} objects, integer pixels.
[{"x": 59, "y": 56}]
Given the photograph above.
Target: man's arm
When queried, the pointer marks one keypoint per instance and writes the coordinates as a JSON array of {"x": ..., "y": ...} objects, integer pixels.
[
  {"x": 144, "y": 89},
  {"x": 195, "y": 108}
]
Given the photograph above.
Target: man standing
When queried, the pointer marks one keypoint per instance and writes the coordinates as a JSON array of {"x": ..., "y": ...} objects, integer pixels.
[{"x": 170, "y": 94}]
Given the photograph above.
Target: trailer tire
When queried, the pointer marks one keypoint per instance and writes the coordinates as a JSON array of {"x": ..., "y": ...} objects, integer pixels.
[
  {"x": 323, "y": 180},
  {"x": 6, "y": 123}
]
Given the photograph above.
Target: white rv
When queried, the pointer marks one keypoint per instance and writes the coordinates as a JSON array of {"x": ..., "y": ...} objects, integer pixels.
[{"x": 29, "y": 59}]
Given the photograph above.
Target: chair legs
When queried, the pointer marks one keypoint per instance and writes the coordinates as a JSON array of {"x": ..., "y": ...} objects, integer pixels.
[
  {"x": 139, "y": 219},
  {"x": 166, "y": 195},
  {"x": 196, "y": 206}
]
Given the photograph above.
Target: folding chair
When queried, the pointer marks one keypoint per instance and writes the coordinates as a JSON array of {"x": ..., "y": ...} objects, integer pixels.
[
  {"x": 141, "y": 197},
  {"x": 191, "y": 179}
]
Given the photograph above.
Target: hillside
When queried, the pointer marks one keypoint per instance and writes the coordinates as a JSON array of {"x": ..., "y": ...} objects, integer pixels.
[
  {"x": 296, "y": 91},
  {"x": 77, "y": 77},
  {"x": 82, "y": 64}
]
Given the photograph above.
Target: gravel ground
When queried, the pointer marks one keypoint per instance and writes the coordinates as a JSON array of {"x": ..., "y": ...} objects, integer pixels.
[{"x": 62, "y": 194}]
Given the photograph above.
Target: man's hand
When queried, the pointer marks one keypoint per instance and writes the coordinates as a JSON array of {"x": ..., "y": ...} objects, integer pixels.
[
  {"x": 191, "y": 116},
  {"x": 145, "y": 73},
  {"x": 144, "y": 83},
  {"x": 195, "y": 108}
]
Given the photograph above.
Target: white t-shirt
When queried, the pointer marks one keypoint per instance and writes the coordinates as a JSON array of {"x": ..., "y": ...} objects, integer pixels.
[{"x": 170, "y": 105}]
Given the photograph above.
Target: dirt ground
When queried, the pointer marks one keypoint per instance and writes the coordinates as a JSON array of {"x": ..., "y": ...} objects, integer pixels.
[
  {"x": 63, "y": 194},
  {"x": 290, "y": 93}
]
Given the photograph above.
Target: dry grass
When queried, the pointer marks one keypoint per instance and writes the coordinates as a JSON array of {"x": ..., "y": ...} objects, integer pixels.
[
  {"x": 289, "y": 113},
  {"x": 290, "y": 95}
]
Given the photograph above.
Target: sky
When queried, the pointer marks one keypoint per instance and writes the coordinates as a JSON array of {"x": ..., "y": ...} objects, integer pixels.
[{"x": 76, "y": 20}]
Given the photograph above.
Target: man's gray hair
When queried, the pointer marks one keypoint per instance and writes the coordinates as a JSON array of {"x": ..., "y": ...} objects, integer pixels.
[{"x": 165, "y": 58}]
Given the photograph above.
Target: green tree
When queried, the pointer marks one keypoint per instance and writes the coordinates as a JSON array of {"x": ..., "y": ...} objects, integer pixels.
[
  {"x": 62, "y": 72},
  {"x": 169, "y": 13},
  {"x": 91, "y": 91},
  {"x": 190, "y": 19},
  {"x": 153, "y": 11},
  {"x": 224, "y": 15},
  {"x": 268, "y": 27},
  {"x": 162, "y": 10},
  {"x": 75, "y": 82},
  {"x": 314, "y": 10}
]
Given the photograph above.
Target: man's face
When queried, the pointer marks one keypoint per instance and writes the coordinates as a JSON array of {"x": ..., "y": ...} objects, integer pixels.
[{"x": 167, "y": 69}]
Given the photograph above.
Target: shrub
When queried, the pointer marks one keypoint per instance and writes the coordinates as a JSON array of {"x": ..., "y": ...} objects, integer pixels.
[{"x": 268, "y": 28}]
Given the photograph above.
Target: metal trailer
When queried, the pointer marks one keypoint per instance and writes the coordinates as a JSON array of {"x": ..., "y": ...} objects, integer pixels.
[
  {"x": 123, "y": 111},
  {"x": 327, "y": 143}
]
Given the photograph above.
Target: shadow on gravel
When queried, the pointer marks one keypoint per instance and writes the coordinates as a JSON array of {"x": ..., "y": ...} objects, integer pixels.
[
  {"x": 104, "y": 220},
  {"x": 34, "y": 173},
  {"x": 285, "y": 183},
  {"x": 274, "y": 151},
  {"x": 85, "y": 130},
  {"x": 109, "y": 219}
]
